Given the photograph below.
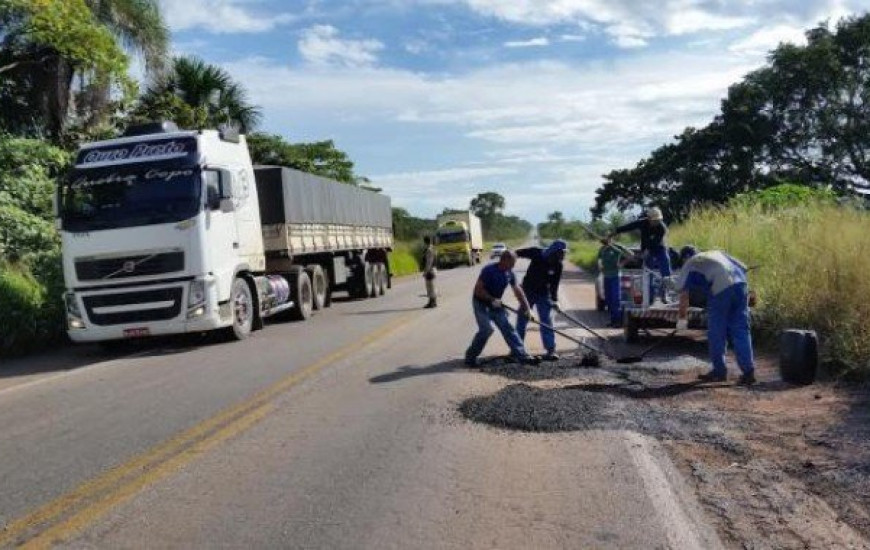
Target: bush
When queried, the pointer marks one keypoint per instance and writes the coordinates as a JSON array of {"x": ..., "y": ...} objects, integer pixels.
[
  {"x": 406, "y": 257},
  {"x": 32, "y": 317},
  {"x": 813, "y": 269}
]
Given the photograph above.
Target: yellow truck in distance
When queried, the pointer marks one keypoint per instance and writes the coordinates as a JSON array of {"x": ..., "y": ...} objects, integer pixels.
[{"x": 458, "y": 239}]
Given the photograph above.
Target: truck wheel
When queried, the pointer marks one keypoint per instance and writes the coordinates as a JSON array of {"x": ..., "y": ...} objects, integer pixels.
[
  {"x": 630, "y": 329},
  {"x": 242, "y": 308},
  {"x": 382, "y": 279},
  {"x": 303, "y": 296},
  {"x": 318, "y": 286},
  {"x": 370, "y": 280}
]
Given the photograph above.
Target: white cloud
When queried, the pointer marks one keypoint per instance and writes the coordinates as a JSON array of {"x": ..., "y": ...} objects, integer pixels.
[
  {"x": 531, "y": 43},
  {"x": 694, "y": 20},
  {"x": 572, "y": 37},
  {"x": 321, "y": 45},
  {"x": 220, "y": 16},
  {"x": 764, "y": 40}
]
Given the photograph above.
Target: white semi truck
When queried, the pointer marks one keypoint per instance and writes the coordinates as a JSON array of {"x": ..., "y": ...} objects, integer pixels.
[{"x": 168, "y": 232}]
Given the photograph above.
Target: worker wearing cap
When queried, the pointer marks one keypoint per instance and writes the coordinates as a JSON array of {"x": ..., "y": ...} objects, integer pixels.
[
  {"x": 653, "y": 234},
  {"x": 724, "y": 280},
  {"x": 429, "y": 272},
  {"x": 610, "y": 258},
  {"x": 541, "y": 287},
  {"x": 488, "y": 291}
]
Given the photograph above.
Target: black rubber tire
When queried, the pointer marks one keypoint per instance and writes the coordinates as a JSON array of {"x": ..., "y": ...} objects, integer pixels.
[
  {"x": 319, "y": 285},
  {"x": 630, "y": 329},
  {"x": 798, "y": 356},
  {"x": 370, "y": 280},
  {"x": 242, "y": 309},
  {"x": 381, "y": 271},
  {"x": 302, "y": 296}
]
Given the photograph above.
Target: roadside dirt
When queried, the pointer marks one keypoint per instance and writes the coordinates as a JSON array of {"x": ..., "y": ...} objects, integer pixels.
[{"x": 775, "y": 465}]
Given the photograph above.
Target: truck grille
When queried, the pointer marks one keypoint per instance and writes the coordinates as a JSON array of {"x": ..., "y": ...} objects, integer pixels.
[
  {"x": 145, "y": 298},
  {"x": 130, "y": 266}
]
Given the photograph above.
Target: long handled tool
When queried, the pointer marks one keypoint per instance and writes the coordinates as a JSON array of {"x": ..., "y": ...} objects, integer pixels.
[
  {"x": 582, "y": 325},
  {"x": 625, "y": 360},
  {"x": 560, "y": 333}
]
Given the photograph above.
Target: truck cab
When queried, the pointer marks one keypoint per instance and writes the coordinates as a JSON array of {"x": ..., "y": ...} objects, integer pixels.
[{"x": 156, "y": 227}]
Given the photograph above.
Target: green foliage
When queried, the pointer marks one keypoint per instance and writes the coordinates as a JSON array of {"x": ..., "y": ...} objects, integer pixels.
[
  {"x": 32, "y": 310},
  {"x": 556, "y": 227},
  {"x": 785, "y": 195},
  {"x": 168, "y": 106},
  {"x": 320, "y": 158},
  {"x": 803, "y": 118},
  {"x": 409, "y": 228},
  {"x": 406, "y": 257},
  {"x": 209, "y": 91},
  {"x": 489, "y": 207},
  {"x": 812, "y": 274},
  {"x": 584, "y": 254}
]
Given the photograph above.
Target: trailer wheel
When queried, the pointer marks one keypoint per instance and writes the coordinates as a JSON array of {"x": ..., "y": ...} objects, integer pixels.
[
  {"x": 303, "y": 296},
  {"x": 370, "y": 280},
  {"x": 319, "y": 285},
  {"x": 381, "y": 279},
  {"x": 242, "y": 308},
  {"x": 630, "y": 329}
]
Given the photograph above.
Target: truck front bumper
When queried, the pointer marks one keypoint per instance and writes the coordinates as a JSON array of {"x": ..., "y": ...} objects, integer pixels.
[{"x": 141, "y": 311}]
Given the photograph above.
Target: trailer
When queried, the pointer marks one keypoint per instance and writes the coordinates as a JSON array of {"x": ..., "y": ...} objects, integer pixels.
[{"x": 166, "y": 231}]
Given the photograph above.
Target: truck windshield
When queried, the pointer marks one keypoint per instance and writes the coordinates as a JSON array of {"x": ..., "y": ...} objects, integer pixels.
[
  {"x": 456, "y": 237},
  {"x": 130, "y": 195}
]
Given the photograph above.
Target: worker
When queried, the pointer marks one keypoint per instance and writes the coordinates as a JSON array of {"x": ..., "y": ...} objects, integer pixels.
[
  {"x": 610, "y": 258},
  {"x": 541, "y": 287},
  {"x": 724, "y": 280},
  {"x": 488, "y": 291},
  {"x": 429, "y": 272},
  {"x": 653, "y": 234}
]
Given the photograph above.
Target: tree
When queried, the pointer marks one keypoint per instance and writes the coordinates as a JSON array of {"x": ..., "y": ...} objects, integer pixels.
[
  {"x": 321, "y": 158},
  {"x": 204, "y": 88},
  {"x": 487, "y": 205},
  {"x": 43, "y": 45},
  {"x": 803, "y": 118}
]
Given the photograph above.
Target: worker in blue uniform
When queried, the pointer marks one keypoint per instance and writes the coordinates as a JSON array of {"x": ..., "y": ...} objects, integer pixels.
[
  {"x": 724, "y": 280},
  {"x": 494, "y": 279},
  {"x": 653, "y": 246},
  {"x": 541, "y": 286}
]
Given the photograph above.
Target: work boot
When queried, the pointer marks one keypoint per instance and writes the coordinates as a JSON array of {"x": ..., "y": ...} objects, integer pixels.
[
  {"x": 551, "y": 356},
  {"x": 471, "y": 362},
  {"x": 432, "y": 303},
  {"x": 531, "y": 360},
  {"x": 712, "y": 377},
  {"x": 747, "y": 379}
]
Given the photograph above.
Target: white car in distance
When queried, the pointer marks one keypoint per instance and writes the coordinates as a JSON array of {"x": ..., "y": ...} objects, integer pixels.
[{"x": 497, "y": 250}]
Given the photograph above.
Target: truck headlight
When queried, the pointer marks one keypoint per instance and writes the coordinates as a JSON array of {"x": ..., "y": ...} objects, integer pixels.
[
  {"x": 73, "y": 312},
  {"x": 196, "y": 297}
]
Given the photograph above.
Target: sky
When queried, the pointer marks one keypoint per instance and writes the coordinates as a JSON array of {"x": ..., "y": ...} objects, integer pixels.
[{"x": 438, "y": 100}]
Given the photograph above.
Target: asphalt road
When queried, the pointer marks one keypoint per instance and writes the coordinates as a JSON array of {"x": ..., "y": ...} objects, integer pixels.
[{"x": 340, "y": 432}]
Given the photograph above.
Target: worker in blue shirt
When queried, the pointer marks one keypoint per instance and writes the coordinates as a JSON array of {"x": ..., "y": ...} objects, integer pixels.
[
  {"x": 488, "y": 291},
  {"x": 724, "y": 280},
  {"x": 653, "y": 234},
  {"x": 541, "y": 287}
]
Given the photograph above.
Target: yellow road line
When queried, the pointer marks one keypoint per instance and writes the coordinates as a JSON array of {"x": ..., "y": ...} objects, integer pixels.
[{"x": 105, "y": 486}]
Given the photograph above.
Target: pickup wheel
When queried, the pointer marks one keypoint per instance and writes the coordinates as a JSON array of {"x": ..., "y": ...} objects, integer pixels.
[
  {"x": 242, "y": 308},
  {"x": 302, "y": 296},
  {"x": 319, "y": 286},
  {"x": 630, "y": 329}
]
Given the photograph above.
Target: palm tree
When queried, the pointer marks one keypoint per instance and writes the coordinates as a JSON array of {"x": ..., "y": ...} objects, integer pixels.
[{"x": 209, "y": 88}]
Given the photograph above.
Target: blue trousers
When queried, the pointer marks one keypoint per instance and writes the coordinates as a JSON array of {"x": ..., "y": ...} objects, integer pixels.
[
  {"x": 485, "y": 317},
  {"x": 728, "y": 319},
  {"x": 545, "y": 313},
  {"x": 612, "y": 297},
  {"x": 657, "y": 259}
]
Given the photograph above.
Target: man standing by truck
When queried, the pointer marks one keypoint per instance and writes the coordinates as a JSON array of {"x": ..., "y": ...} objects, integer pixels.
[
  {"x": 429, "y": 271},
  {"x": 541, "y": 287},
  {"x": 488, "y": 291},
  {"x": 723, "y": 278},
  {"x": 610, "y": 258},
  {"x": 653, "y": 233}
]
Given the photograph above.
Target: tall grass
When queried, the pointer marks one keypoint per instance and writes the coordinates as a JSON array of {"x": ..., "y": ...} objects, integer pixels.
[
  {"x": 405, "y": 258},
  {"x": 584, "y": 254},
  {"x": 813, "y": 270}
]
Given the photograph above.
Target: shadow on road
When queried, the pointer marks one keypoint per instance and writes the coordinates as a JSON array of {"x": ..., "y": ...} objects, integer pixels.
[
  {"x": 411, "y": 371},
  {"x": 387, "y": 311}
]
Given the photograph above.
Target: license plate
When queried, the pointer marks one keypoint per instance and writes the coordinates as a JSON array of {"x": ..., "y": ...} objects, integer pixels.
[{"x": 136, "y": 332}]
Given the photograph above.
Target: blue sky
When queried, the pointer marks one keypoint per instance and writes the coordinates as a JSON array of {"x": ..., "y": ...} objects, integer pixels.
[{"x": 438, "y": 100}]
